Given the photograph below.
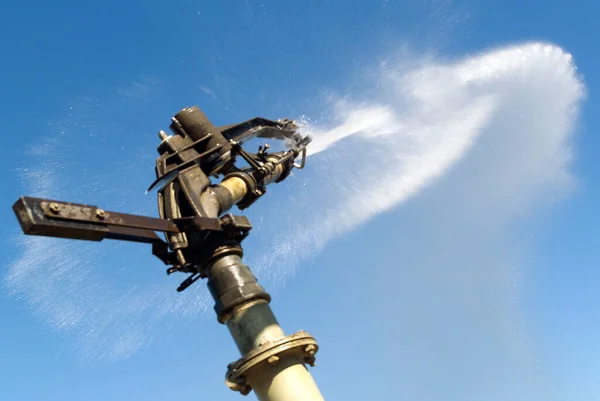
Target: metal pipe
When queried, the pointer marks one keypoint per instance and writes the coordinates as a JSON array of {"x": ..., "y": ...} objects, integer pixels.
[
  {"x": 282, "y": 379},
  {"x": 252, "y": 325},
  {"x": 289, "y": 380},
  {"x": 237, "y": 187},
  {"x": 243, "y": 306},
  {"x": 277, "y": 170},
  {"x": 215, "y": 201}
]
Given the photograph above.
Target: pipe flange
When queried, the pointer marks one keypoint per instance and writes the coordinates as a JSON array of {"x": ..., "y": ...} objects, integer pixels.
[{"x": 300, "y": 343}]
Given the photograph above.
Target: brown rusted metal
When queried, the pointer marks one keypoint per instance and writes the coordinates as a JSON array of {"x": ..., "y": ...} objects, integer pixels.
[
  {"x": 95, "y": 215},
  {"x": 71, "y": 220},
  {"x": 33, "y": 221},
  {"x": 75, "y": 221}
]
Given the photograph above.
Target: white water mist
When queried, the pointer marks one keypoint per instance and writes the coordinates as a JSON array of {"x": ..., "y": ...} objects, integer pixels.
[{"x": 425, "y": 119}]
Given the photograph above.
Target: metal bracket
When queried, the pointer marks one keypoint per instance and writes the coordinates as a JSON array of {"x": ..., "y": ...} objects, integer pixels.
[
  {"x": 52, "y": 218},
  {"x": 75, "y": 221}
]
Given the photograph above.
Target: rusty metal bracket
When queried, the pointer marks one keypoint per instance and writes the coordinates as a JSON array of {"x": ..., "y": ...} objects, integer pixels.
[
  {"x": 94, "y": 215},
  {"x": 75, "y": 221},
  {"x": 299, "y": 344},
  {"x": 53, "y": 218}
]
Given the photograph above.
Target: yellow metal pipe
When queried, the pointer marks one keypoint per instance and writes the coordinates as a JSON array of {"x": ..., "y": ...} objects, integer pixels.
[
  {"x": 288, "y": 380},
  {"x": 252, "y": 325},
  {"x": 237, "y": 187},
  {"x": 284, "y": 379}
]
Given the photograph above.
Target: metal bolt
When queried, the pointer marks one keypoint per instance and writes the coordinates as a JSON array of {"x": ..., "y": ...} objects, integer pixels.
[
  {"x": 100, "y": 213},
  {"x": 310, "y": 349},
  {"x": 273, "y": 359},
  {"x": 54, "y": 207},
  {"x": 163, "y": 135},
  {"x": 233, "y": 386}
]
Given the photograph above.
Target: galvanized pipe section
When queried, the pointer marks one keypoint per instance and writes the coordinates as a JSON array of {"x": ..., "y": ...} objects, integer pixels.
[
  {"x": 231, "y": 283},
  {"x": 246, "y": 311},
  {"x": 252, "y": 325},
  {"x": 287, "y": 379}
]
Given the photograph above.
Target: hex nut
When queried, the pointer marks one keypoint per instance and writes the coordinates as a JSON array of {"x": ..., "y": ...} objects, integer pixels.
[{"x": 310, "y": 349}]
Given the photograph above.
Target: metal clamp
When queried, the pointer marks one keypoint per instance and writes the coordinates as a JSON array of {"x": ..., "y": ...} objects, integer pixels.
[{"x": 300, "y": 343}]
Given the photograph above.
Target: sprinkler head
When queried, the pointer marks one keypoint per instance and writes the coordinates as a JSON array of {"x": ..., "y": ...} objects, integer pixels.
[{"x": 192, "y": 208}]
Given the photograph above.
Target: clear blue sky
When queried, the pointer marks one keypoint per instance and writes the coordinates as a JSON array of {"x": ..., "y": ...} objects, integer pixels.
[{"x": 85, "y": 88}]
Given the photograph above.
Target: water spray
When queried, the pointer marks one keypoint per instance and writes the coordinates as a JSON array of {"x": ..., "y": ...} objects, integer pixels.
[{"x": 203, "y": 239}]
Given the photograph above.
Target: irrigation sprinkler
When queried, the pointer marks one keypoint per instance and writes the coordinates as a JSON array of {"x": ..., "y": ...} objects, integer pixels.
[{"x": 203, "y": 239}]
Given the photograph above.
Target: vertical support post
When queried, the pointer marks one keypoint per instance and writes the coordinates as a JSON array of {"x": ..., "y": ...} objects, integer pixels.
[{"x": 272, "y": 364}]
